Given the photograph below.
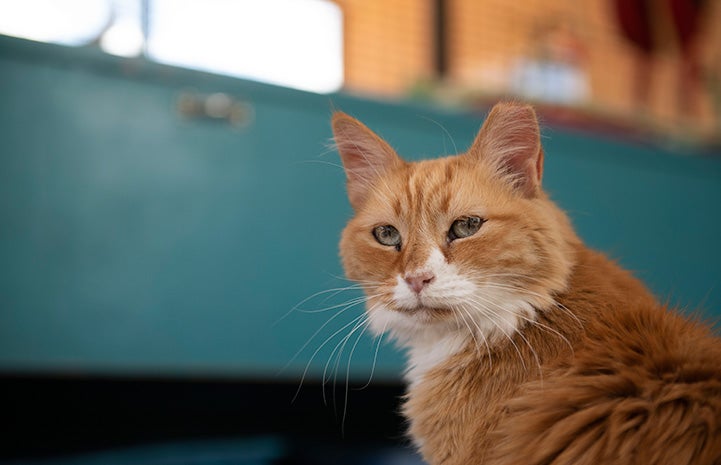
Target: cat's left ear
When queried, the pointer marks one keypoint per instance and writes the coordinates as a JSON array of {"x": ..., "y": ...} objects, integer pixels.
[
  {"x": 510, "y": 142},
  {"x": 366, "y": 157}
]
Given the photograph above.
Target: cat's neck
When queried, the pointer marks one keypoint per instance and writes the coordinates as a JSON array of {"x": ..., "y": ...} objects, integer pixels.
[
  {"x": 430, "y": 350},
  {"x": 598, "y": 284}
]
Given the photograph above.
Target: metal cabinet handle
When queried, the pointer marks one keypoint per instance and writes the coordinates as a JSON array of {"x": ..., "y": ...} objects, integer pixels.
[{"x": 215, "y": 107}]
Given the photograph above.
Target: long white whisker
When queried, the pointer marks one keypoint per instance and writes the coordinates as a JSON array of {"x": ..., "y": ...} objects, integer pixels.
[
  {"x": 359, "y": 322},
  {"x": 327, "y": 291},
  {"x": 333, "y": 307},
  {"x": 447, "y": 133},
  {"x": 338, "y": 349},
  {"x": 496, "y": 305},
  {"x": 492, "y": 315},
  {"x": 375, "y": 355},
  {"x": 512, "y": 287},
  {"x": 473, "y": 333},
  {"x": 359, "y": 281},
  {"x": 322, "y": 162},
  {"x": 539, "y": 325},
  {"x": 307, "y": 366},
  {"x": 347, "y": 373},
  {"x": 353, "y": 303}
]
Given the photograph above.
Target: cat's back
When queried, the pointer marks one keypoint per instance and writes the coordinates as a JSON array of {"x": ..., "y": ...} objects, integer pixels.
[{"x": 643, "y": 387}]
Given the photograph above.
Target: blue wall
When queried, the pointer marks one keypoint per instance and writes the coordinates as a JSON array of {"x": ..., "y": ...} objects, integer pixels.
[{"x": 136, "y": 241}]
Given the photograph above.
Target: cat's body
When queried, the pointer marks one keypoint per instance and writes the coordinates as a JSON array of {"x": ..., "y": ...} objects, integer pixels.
[{"x": 525, "y": 347}]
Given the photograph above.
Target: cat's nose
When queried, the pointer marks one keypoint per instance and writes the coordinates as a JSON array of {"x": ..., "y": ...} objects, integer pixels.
[{"x": 418, "y": 281}]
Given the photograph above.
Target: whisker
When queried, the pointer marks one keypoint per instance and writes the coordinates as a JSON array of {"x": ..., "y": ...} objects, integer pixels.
[
  {"x": 336, "y": 290},
  {"x": 541, "y": 326},
  {"x": 514, "y": 287},
  {"x": 342, "y": 343},
  {"x": 444, "y": 130},
  {"x": 491, "y": 313},
  {"x": 536, "y": 294},
  {"x": 516, "y": 330},
  {"x": 307, "y": 366},
  {"x": 375, "y": 355},
  {"x": 347, "y": 373},
  {"x": 360, "y": 281},
  {"x": 480, "y": 333},
  {"x": 336, "y": 353},
  {"x": 322, "y": 162},
  {"x": 459, "y": 312},
  {"x": 336, "y": 315},
  {"x": 333, "y": 307}
]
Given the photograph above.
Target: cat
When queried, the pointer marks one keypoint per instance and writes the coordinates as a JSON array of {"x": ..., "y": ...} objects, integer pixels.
[{"x": 524, "y": 346}]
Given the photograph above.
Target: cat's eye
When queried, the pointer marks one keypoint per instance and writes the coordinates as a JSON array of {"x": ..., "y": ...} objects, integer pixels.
[
  {"x": 464, "y": 227},
  {"x": 387, "y": 235}
]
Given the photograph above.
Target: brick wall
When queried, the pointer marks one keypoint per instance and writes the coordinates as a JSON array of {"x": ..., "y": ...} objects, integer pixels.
[{"x": 389, "y": 46}]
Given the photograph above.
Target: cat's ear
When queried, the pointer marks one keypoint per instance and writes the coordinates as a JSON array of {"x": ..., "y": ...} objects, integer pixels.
[
  {"x": 365, "y": 156},
  {"x": 510, "y": 142}
]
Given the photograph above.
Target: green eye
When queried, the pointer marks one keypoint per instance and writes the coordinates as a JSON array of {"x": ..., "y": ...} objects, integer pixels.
[
  {"x": 464, "y": 227},
  {"x": 388, "y": 235}
]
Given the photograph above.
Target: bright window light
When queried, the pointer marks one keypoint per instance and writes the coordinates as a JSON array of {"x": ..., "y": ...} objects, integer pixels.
[
  {"x": 295, "y": 43},
  {"x": 67, "y": 22},
  {"x": 124, "y": 38}
]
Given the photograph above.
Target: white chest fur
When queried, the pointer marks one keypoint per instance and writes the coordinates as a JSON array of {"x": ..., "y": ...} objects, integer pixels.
[{"x": 431, "y": 351}]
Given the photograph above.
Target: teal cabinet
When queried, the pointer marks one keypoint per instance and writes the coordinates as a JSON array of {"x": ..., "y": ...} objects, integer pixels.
[{"x": 134, "y": 240}]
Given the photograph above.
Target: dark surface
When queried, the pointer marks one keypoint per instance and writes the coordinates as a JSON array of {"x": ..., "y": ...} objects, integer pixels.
[{"x": 53, "y": 416}]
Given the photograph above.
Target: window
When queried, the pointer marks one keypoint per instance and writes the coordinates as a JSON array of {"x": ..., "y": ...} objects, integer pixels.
[
  {"x": 67, "y": 22},
  {"x": 295, "y": 43}
]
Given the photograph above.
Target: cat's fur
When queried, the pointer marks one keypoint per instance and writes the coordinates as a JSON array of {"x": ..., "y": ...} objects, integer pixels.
[{"x": 525, "y": 347}]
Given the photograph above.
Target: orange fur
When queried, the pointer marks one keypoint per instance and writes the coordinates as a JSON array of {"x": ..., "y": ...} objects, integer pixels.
[{"x": 525, "y": 347}]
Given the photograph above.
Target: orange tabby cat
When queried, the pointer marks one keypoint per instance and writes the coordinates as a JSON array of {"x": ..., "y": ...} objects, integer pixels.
[{"x": 524, "y": 346}]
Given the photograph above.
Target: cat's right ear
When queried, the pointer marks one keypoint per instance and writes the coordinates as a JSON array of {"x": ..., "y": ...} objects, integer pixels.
[{"x": 365, "y": 156}]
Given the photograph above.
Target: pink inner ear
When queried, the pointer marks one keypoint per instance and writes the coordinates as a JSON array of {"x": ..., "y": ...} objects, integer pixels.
[
  {"x": 361, "y": 173},
  {"x": 365, "y": 156},
  {"x": 510, "y": 142}
]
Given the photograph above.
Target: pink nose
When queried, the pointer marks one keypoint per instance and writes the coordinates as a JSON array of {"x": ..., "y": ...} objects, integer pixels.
[{"x": 418, "y": 281}]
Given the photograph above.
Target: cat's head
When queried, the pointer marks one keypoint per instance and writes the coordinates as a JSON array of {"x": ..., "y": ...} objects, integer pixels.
[{"x": 465, "y": 243}]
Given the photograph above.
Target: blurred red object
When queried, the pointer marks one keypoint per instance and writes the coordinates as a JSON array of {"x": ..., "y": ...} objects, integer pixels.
[{"x": 654, "y": 25}]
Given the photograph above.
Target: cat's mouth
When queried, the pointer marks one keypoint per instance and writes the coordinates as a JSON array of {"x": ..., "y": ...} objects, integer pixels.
[{"x": 426, "y": 312}]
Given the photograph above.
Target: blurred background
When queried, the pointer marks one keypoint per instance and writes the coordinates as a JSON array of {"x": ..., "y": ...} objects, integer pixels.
[{"x": 170, "y": 290}]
